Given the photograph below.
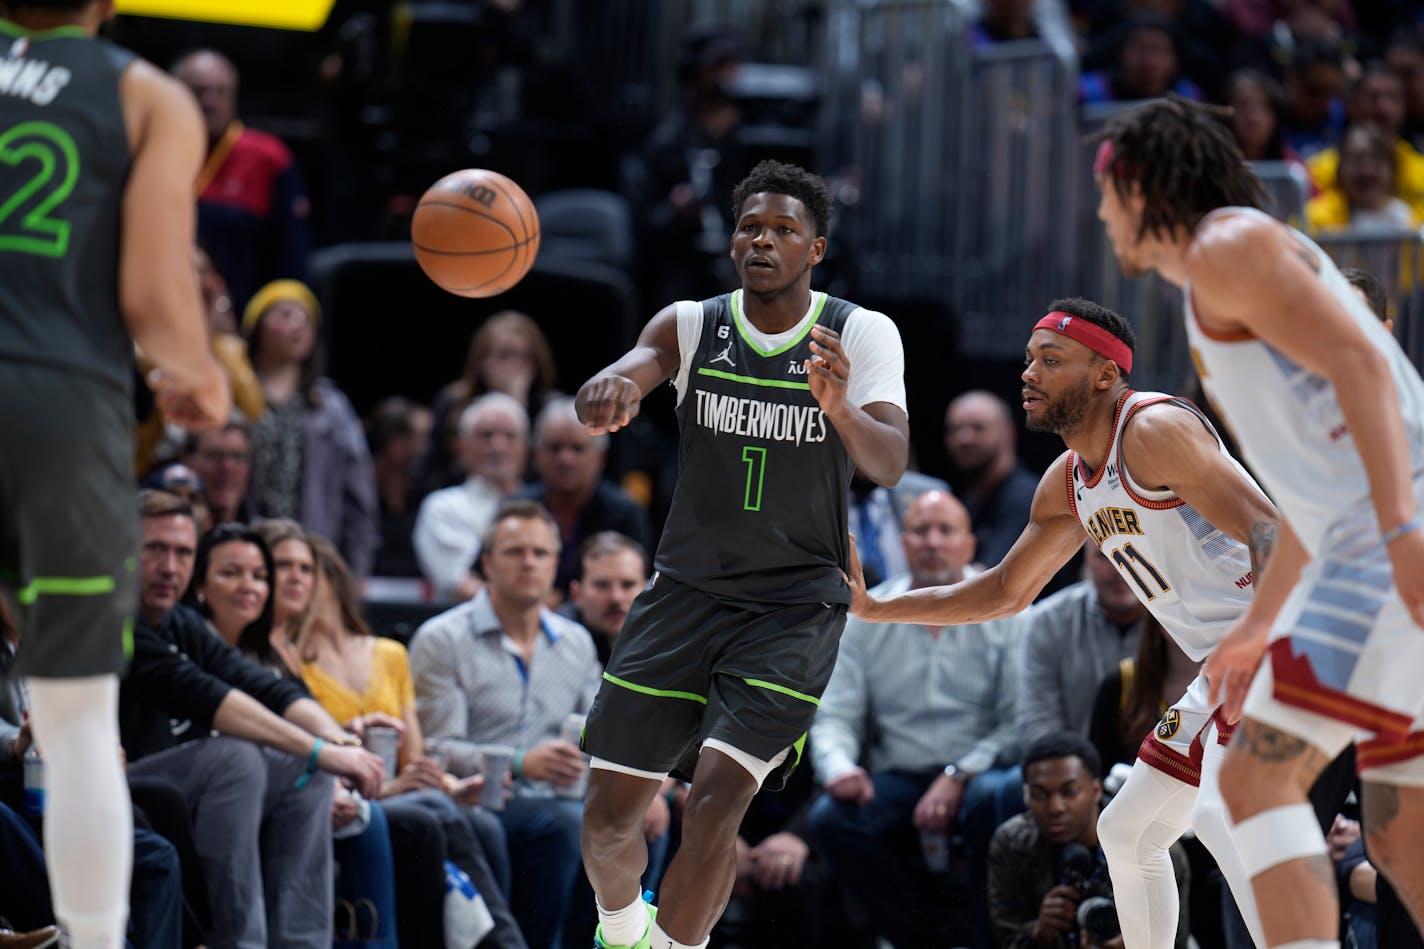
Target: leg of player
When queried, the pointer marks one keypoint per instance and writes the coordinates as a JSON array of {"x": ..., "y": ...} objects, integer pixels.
[
  {"x": 1265, "y": 782},
  {"x": 615, "y": 853},
  {"x": 699, "y": 881},
  {"x": 1212, "y": 826},
  {"x": 1394, "y": 825},
  {"x": 1147, "y": 815},
  {"x": 88, "y": 827}
]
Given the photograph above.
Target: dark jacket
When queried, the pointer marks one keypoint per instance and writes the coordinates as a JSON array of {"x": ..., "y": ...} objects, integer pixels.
[{"x": 180, "y": 674}]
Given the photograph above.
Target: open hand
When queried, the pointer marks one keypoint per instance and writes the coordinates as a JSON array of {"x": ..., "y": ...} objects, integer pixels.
[
  {"x": 1232, "y": 664},
  {"x": 828, "y": 369}
]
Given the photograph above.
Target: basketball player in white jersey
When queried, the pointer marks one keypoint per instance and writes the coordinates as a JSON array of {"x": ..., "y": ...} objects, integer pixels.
[
  {"x": 1148, "y": 479},
  {"x": 1330, "y": 415}
]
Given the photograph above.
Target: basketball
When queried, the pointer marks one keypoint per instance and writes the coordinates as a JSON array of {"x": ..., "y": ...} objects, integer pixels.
[{"x": 475, "y": 233}]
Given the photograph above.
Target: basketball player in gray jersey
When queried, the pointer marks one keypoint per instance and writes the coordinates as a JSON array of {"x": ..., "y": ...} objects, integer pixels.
[
  {"x": 96, "y": 233},
  {"x": 717, "y": 672}
]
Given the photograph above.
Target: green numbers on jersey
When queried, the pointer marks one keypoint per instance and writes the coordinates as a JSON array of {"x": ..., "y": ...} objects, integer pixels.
[
  {"x": 756, "y": 473},
  {"x": 1127, "y": 553},
  {"x": 43, "y": 159}
]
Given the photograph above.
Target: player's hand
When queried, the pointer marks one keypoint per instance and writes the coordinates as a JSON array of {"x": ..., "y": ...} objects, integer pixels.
[
  {"x": 1232, "y": 664},
  {"x": 364, "y": 770},
  {"x": 608, "y": 402},
  {"x": 1058, "y": 913},
  {"x": 860, "y": 599},
  {"x": 1406, "y": 553},
  {"x": 557, "y": 762},
  {"x": 939, "y": 806},
  {"x": 197, "y": 402},
  {"x": 854, "y": 786},
  {"x": 828, "y": 369},
  {"x": 657, "y": 819},
  {"x": 779, "y": 860}
]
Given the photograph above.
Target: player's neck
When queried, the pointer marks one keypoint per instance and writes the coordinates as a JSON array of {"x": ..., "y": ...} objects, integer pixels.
[
  {"x": 777, "y": 312},
  {"x": 1171, "y": 263},
  {"x": 1093, "y": 436}
]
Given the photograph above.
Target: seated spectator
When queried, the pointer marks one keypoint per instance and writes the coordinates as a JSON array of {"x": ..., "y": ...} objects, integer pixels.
[
  {"x": 507, "y": 354},
  {"x": 1148, "y": 65},
  {"x": 1314, "y": 87},
  {"x": 875, "y": 514},
  {"x": 223, "y": 460},
  {"x": 232, "y": 585},
  {"x": 1257, "y": 110},
  {"x": 1074, "y": 638},
  {"x": 613, "y": 570},
  {"x": 1133, "y": 697},
  {"x": 178, "y": 479},
  {"x": 310, "y": 460},
  {"x": 1376, "y": 98},
  {"x": 398, "y": 432},
  {"x": 1405, "y": 58},
  {"x": 995, "y": 487},
  {"x": 570, "y": 462},
  {"x": 493, "y": 446},
  {"x": 252, "y": 204},
  {"x": 1045, "y": 864},
  {"x": 1362, "y": 200},
  {"x": 1368, "y": 286},
  {"x": 930, "y": 714},
  {"x": 262, "y": 811},
  {"x": 502, "y": 669},
  {"x": 25, "y": 897}
]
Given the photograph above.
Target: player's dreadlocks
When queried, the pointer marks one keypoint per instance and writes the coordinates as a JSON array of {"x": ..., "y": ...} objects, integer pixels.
[
  {"x": 775, "y": 177},
  {"x": 1183, "y": 156}
]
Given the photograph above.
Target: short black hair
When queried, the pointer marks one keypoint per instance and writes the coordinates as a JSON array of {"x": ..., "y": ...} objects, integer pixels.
[
  {"x": 776, "y": 177},
  {"x": 1098, "y": 315},
  {"x": 1185, "y": 159},
  {"x": 1368, "y": 284},
  {"x": 1064, "y": 744}
]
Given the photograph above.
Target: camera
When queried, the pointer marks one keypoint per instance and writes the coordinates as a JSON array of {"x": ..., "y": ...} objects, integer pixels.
[
  {"x": 1077, "y": 865},
  {"x": 1097, "y": 916}
]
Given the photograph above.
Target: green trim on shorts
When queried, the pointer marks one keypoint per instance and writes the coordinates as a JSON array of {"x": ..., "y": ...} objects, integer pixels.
[
  {"x": 657, "y": 693},
  {"x": 128, "y": 638},
  {"x": 763, "y": 684},
  {"x": 63, "y": 586}
]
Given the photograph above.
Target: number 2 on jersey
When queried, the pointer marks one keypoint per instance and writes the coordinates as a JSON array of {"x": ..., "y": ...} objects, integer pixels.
[
  {"x": 756, "y": 472},
  {"x": 25, "y": 222},
  {"x": 1128, "y": 552}
]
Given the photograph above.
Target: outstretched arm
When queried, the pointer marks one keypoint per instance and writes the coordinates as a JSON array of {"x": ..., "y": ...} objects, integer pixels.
[
  {"x": 1282, "y": 300},
  {"x": 1050, "y": 539},
  {"x": 611, "y": 399}
]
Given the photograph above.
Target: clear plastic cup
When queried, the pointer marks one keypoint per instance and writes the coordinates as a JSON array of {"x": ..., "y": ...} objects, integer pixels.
[
  {"x": 495, "y": 762},
  {"x": 383, "y": 742}
]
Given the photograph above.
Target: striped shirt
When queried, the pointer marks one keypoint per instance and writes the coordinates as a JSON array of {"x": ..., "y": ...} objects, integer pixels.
[
  {"x": 934, "y": 699},
  {"x": 473, "y": 688}
]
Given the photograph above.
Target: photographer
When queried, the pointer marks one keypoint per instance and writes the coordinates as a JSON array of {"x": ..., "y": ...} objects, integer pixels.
[{"x": 1048, "y": 880}]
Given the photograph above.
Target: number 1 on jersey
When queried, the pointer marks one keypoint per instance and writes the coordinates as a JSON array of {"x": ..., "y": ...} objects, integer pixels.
[
  {"x": 1126, "y": 552},
  {"x": 756, "y": 471}
]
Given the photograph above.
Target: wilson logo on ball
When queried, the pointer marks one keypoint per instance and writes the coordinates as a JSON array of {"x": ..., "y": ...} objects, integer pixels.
[{"x": 475, "y": 233}]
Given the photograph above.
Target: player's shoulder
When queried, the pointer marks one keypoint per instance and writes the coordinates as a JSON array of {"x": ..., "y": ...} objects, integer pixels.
[
  {"x": 1159, "y": 419},
  {"x": 152, "y": 98},
  {"x": 1226, "y": 237}
]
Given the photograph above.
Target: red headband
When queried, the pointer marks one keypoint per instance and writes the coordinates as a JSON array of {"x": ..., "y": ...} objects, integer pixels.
[
  {"x": 1090, "y": 335},
  {"x": 1103, "y": 159}
]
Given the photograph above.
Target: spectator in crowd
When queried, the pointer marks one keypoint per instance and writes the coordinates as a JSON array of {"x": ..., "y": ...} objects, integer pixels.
[
  {"x": 1075, "y": 638},
  {"x": 223, "y": 460},
  {"x": 1044, "y": 864},
  {"x": 1405, "y": 58},
  {"x": 1133, "y": 697},
  {"x": 930, "y": 713},
  {"x": 398, "y": 433},
  {"x": 613, "y": 569},
  {"x": 875, "y": 515},
  {"x": 232, "y": 585},
  {"x": 570, "y": 462},
  {"x": 681, "y": 179},
  {"x": 507, "y": 354},
  {"x": 1368, "y": 286},
  {"x": 252, "y": 205},
  {"x": 1148, "y": 65},
  {"x": 1363, "y": 201},
  {"x": 502, "y": 669},
  {"x": 261, "y": 809},
  {"x": 1376, "y": 98},
  {"x": 1003, "y": 21},
  {"x": 1315, "y": 87},
  {"x": 493, "y": 446},
  {"x": 177, "y": 478},
  {"x": 995, "y": 487},
  {"x": 1358, "y": 880},
  {"x": 310, "y": 457},
  {"x": 1257, "y": 115}
]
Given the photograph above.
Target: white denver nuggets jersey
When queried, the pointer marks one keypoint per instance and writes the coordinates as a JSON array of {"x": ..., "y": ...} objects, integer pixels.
[
  {"x": 1287, "y": 419},
  {"x": 1193, "y": 578}
]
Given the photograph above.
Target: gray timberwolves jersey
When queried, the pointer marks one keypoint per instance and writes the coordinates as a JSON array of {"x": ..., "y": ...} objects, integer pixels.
[{"x": 759, "y": 514}]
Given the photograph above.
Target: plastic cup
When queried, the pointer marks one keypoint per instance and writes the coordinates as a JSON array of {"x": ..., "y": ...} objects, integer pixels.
[
  {"x": 495, "y": 761},
  {"x": 571, "y": 731},
  {"x": 382, "y": 741}
]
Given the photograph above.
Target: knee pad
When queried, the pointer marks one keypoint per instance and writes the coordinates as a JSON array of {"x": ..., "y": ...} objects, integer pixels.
[{"x": 1277, "y": 835}]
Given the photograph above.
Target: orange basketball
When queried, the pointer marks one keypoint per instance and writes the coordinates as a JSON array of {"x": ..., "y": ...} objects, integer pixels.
[{"x": 475, "y": 233}]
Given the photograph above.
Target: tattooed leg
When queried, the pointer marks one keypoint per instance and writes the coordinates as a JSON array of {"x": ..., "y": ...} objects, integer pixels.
[{"x": 1394, "y": 826}]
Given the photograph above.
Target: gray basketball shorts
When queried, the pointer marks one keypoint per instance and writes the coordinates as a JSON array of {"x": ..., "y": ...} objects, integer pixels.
[
  {"x": 688, "y": 667},
  {"x": 68, "y": 519}
]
